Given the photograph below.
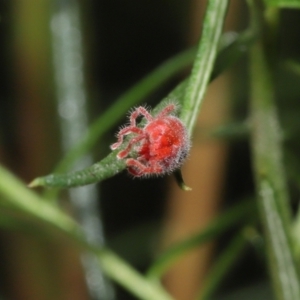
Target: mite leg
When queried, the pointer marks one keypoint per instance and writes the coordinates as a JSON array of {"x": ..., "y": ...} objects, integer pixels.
[
  {"x": 125, "y": 131},
  {"x": 133, "y": 141},
  {"x": 138, "y": 169},
  {"x": 167, "y": 110},
  {"x": 137, "y": 112}
]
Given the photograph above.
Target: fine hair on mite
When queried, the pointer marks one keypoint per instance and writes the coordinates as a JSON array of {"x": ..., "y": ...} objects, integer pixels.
[{"x": 157, "y": 147}]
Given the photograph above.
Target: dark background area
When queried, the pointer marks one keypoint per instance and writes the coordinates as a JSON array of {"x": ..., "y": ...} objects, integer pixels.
[{"x": 122, "y": 42}]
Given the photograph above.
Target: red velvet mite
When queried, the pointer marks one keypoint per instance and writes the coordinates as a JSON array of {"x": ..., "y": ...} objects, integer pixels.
[{"x": 157, "y": 148}]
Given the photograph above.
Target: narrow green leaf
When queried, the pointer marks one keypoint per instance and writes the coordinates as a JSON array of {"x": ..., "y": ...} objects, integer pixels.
[
  {"x": 231, "y": 131},
  {"x": 284, "y": 3},
  {"x": 222, "y": 265},
  {"x": 266, "y": 131},
  {"x": 270, "y": 178},
  {"x": 233, "y": 51},
  {"x": 121, "y": 272},
  {"x": 204, "y": 62},
  {"x": 296, "y": 234},
  {"x": 107, "y": 167},
  {"x": 293, "y": 66},
  {"x": 227, "y": 56},
  {"x": 14, "y": 195},
  {"x": 282, "y": 264},
  {"x": 133, "y": 96},
  {"x": 240, "y": 213}
]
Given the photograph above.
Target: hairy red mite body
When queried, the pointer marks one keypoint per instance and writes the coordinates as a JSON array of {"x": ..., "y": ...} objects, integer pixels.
[{"x": 160, "y": 147}]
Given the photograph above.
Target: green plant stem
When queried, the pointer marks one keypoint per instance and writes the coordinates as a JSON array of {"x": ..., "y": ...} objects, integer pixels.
[
  {"x": 284, "y": 3},
  {"x": 241, "y": 212},
  {"x": 270, "y": 177},
  {"x": 296, "y": 234},
  {"x": 106, "y": 168},
  {"x": 121, "y": 272},
  {"x": 112, "y": 115},
  {"x": 16, "y": 197},
  {"x": 293, "y": 66},
  {"x": 226, "y": 57},
  {"x": 204, "y": 62},
  {"x": 222, "y": 266}
]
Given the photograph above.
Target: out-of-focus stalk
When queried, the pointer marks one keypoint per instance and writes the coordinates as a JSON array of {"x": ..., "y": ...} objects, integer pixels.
[
  {"x": 269, "y": 173},
  {"x": 72, "y": 109}
]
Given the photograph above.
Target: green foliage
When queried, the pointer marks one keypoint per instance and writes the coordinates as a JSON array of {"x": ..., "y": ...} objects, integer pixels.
[
  {"x": 203, "y": 66},
  {"x": 284, "y": 3},
  {"x": 25, "y": 206},
  {"x": 239, "y": 214},
  {"x": 109, "y": 166}
]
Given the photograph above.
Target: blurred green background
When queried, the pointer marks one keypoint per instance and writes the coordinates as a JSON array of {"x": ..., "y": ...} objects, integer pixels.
[{"x": 63, "y": 63}]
